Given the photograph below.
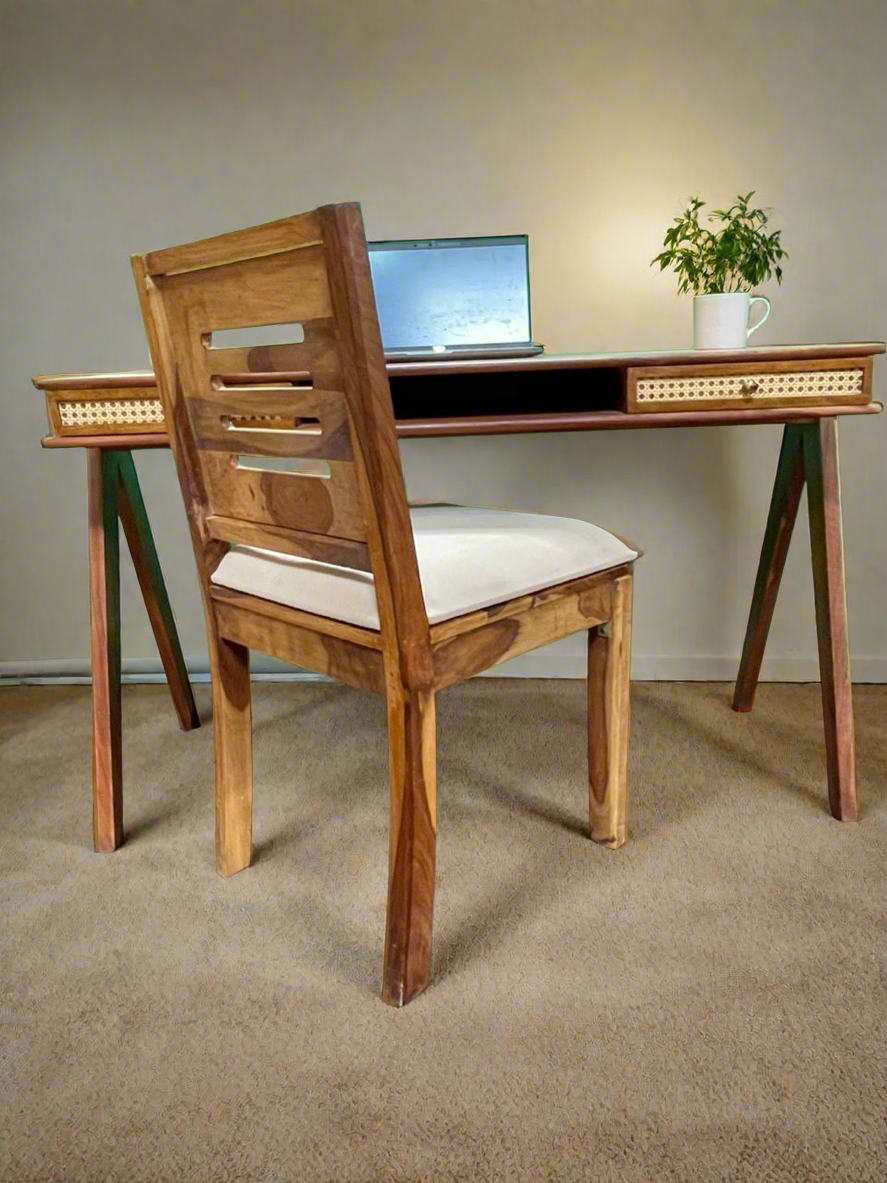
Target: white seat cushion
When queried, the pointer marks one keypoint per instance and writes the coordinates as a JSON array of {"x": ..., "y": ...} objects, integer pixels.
[{"x": 468, "y": 559}]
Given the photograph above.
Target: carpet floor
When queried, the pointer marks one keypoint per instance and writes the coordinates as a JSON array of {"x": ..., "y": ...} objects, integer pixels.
[{"x": 709, "y": 1003}]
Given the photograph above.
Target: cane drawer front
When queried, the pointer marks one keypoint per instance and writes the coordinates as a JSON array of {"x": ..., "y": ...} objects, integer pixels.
[
  {"x": 841, "y": 382},
  {"x": 104, "y": 411}
]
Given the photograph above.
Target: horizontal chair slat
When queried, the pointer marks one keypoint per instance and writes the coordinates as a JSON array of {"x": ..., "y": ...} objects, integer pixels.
[
  {"x": 268, "y": 239},
  {"x": 286, "y": 288},
  {"x": 323, "y": 548},
  {"x": 271, "y": 422}
]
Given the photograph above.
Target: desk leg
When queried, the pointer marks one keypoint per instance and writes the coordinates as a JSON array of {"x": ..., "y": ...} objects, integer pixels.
[
  {"x": 137, "y": 529},
  {"x": 104, "y": 634},
  {"x": 810, "y": 452},
  {"x": 780, "y": 523},
  {"x": 827, "y": 546}
]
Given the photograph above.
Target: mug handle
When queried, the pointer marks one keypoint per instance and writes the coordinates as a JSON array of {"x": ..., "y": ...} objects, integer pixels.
[{"x": 756, "y": 300}]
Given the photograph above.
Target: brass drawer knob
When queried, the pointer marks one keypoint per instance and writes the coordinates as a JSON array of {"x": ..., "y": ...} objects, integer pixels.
[{"x": 750, "y": 387}]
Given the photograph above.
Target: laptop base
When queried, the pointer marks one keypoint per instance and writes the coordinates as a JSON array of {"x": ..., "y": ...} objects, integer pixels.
[{"x": 464, "y": 353}]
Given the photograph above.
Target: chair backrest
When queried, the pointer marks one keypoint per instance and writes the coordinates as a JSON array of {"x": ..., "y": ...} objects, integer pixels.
[{"x": 291, "y": 446}]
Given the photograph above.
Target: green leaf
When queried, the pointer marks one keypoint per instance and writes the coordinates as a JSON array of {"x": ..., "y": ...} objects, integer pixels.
[{"x": 737, "y": 255}]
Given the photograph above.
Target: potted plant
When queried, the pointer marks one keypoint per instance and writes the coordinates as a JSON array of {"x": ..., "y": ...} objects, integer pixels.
[{"x": 721, "y": 267}]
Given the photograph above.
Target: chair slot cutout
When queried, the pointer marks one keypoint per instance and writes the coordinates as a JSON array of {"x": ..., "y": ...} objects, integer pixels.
[
  {"x": 264, "y": 380},
  {"x": 286, "y": 466},
  {"x": 285, "y": 424},
  {"x": 253, "y": 336}
]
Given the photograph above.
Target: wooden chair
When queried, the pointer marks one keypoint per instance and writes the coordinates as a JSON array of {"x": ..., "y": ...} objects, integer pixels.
[{"x": 307, "y": 550}]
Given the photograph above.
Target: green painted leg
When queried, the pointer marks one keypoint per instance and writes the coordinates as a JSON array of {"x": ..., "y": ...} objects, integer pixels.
[
  {"x": 827, "y": 547},
  {"x": 104, "y": 634},
  {"x": 780, "y": 523},
  {"x": 137, "y": 528}
]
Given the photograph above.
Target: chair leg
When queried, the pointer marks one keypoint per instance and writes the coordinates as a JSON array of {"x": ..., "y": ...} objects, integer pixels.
[
  {"x": 412, "y": 741},
  {"x": 609, "y": 720},
  {"x": 232, "y": 718}
]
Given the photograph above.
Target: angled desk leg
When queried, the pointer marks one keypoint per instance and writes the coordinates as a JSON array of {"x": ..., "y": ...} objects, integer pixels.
[
  {"x": 114, "y": 489},
  {"x": 810, "y": 452},
  {"x": 829, "y": 586},
  {"x": 104, "y": 650},
  {"x": 140, "y": 540},
  {"x": 787, "y": 490}
]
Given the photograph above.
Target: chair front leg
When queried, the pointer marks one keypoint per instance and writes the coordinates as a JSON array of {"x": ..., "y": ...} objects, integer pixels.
[
  {"x": 232, "y": 719},
  {"x": 412, "y": 743},
  {"x": 609, "y": 719}
]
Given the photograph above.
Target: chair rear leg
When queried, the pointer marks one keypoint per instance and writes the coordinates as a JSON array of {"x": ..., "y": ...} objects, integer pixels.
[
  {"x": 232, "y": 717},
  {"x": 609, "y": 719},
  {"x": 412, "y": 743}
]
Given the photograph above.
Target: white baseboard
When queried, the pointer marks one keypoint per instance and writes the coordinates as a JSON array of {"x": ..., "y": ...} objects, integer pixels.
[{"x": 797, "y": 667}]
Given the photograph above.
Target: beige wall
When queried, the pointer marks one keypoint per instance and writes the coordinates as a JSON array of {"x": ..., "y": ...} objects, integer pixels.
[{"x": 132, "y": 125}]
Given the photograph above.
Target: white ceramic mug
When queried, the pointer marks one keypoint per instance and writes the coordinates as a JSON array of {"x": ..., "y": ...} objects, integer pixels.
[{"x": 721, "y": 321}]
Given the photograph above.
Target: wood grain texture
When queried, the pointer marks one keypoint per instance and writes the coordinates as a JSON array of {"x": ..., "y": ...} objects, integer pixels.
[
  {"x": 115, "y": 378},
  {"x": 229, "y": 663},
  {"x": 104, "y": 644},
  {"x": 364, "y": 638},
  {"x": 510, "y": 631},
  {"x": 412, "y": 839},
  {"x": 258, "y": 277},
  {"x": 609, "y": 719},
  {"x": 404, "y": 623},
  {"x": 318, "y": 354},
  {"x": 615, "y": 420},
  {"x": 207, "y": 551},
  {"x": 829, "y": 585},
  {"x": 140, "y": 540},
  {"x": 784, "y": 503},
  {"x": 312, "y": 504},
  {"x": 210, "y": 387},
  {"x": 285, "y": 234},
  {"x": 216, "y": 416},
  {"x": 360, "y": 515},
  {"x": 525, "y": 424},
  {"x": 109, "y": 443},
  {"x": 575, "y": 588},
  {"x": 404, "y": 639},
  {"x": 342, "y": 552},
  {"x": 280, "y": 288},
  {"x": 232, "y": 719},
  {"x": 319, "y": 652}
]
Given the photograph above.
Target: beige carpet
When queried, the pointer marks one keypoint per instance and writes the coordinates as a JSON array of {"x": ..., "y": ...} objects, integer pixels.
[{"x": 709, "y": 1003}]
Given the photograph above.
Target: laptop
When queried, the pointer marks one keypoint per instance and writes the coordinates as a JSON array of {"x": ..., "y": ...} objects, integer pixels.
[{"x": 452, "y": 298}]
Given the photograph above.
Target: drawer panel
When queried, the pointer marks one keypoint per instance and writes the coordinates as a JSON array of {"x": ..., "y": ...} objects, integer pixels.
[
  {"x": 111, "y": 411},
  {"x": 842, "y": 382}
]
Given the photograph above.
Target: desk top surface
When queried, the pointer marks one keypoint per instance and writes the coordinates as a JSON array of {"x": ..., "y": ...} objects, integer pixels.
[{"x": 537, "y": 363}]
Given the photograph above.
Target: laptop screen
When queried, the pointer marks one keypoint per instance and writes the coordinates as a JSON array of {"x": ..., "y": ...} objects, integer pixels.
[{"x": 452, "y": 291}]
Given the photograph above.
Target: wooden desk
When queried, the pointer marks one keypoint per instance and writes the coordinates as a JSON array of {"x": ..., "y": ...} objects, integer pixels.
[{"x": 803, "y": 387}]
